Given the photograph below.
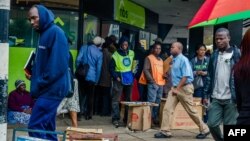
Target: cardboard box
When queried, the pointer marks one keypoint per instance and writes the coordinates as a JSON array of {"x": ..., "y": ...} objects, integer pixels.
[
  {"x": 139, "y": 118},
  {"x": 72, "y": 131},
  {"x": 139, "y": 114},
  {"x": 79, "y": 134},
  {"x": 181, "y": 119}
]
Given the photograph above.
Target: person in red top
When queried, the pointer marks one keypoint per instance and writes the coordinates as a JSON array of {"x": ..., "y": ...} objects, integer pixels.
[{"x": 20, "y": 104}]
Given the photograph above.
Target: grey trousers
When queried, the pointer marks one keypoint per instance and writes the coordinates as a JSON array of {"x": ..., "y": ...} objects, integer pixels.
[{"x": 221, "y": 111}]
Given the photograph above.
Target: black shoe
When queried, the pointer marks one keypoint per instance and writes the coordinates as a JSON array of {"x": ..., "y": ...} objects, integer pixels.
[
  {"x": 122, "y": 124},
  {"x": 161, "y": 135},
  {"x": 87, "y": 117},
  {"x": 79, "y": 117},
  {"x": 202, "y": 135},
  {"x": 116, "y": 123}
]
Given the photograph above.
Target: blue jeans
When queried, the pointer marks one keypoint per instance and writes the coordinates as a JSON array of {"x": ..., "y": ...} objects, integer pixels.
[
  {"x": 43, "y": 117},
  {"x": 199, "y": 93},
  {"x": 117, "y": 91},
  {"x": 154, "y": 95}
]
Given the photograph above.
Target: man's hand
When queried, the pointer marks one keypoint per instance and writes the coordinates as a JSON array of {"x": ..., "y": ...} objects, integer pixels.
[
  {"x": 27, "y": 76},
  {"x": 198, "y": 72},
  {"x": 175, "y": 91}
]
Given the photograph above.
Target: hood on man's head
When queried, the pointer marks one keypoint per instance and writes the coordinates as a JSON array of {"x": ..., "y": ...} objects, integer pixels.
[
  {"x": 98, "y": 41},
  {"x": 46, "y": 17},
  {"x": 123, "y": 39}
]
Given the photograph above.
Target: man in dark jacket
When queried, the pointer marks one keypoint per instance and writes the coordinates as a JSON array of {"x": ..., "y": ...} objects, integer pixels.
[
  {"x": 121, "y": 71},
  {"x": 220, "y": 84},
  {"x": 49, "y": 82}
]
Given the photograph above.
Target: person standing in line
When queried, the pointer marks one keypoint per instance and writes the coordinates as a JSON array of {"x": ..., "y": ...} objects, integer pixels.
[
  {"x": 71, "y": 104},
  {"x": 93, "y": 56},
  {"x": 153, "y": 76},
  {"x": 181, "y": 91},
  {"x": 242, "y": 80},
  {"x": 199, "y": 65},
  {"x": 49, "y": 81},
  {"x": 220, "y": 84},
  {"x": 104, "y": 85},
  {"x": 121, "y": 72}
]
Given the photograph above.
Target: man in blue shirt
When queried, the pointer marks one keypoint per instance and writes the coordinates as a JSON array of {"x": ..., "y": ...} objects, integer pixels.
[{"x": 182, "y": 91}]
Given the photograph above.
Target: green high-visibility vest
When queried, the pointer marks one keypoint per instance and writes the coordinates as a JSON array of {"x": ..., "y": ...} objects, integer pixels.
[{"x": 123, "y": 63}]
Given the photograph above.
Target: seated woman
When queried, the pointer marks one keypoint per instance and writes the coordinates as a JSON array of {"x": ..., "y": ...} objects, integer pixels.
[{"x": 20, "y": 104}]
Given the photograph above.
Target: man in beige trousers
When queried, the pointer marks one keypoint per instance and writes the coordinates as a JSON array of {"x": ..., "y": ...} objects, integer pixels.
[{"x": 181, "y": 91}]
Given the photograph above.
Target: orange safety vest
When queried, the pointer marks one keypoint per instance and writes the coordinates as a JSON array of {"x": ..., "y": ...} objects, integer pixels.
[{"x": 157, "y": 71}]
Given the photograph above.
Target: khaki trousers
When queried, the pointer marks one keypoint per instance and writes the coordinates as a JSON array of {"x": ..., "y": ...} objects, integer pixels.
[{"x": 185, "y": 97}]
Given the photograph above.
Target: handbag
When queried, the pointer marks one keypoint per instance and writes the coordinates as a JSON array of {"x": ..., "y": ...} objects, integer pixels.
[
  {"x": 71, "y": 84},
  {"x": 82, "y": 69},
  {"x": 198, "y": 82}
]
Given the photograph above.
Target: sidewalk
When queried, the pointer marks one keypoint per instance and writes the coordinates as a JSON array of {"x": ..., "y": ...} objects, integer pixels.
[{"x": 123, "y": 133}]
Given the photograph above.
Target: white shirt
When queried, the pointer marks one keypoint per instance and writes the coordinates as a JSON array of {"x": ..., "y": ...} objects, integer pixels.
[{"x": 222, "y": 76}]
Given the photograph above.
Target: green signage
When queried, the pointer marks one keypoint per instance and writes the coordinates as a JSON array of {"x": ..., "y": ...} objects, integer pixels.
[{"x": 129, "y": 13}]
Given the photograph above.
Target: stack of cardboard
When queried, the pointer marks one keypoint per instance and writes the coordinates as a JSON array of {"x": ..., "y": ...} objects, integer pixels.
[
  {"x": 139, "y": 115},
  {"x": 181, "y": 119},
  {"x": 79, "y": 134}
]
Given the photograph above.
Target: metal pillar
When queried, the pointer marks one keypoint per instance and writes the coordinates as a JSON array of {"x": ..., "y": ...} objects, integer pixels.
[
  {"x": 80, "y": 24},
  {"x": 4, "y": 59},
  {"x": 195, "y": 38}
]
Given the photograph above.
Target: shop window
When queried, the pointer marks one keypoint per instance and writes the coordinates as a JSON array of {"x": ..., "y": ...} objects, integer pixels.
[
  {"x": 91, "y": 28},
  {"x": 110, "y": 29},
  {"x": 21, "y": 33},
  {"x": 144, "y": 39}
]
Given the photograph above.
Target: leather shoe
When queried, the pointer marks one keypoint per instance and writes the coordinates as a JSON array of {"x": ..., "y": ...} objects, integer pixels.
[
  {"x": 161, "y": 135},
  {"x": 87, "y": 117},
  {"x": 202, "y": 135}
]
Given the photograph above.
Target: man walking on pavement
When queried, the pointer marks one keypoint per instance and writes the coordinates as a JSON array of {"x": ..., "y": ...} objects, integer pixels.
[
  {"x": 181, "y": 91},
  {"x": 220, "y": 84},
  {"x": 49, "y": 81}
]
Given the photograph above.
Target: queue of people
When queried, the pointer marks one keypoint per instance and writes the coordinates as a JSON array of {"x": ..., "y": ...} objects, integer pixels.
[{"x": 220, "y": 79}]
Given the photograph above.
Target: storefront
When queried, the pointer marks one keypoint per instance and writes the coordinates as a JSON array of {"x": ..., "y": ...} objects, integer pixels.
[{"x": 101, "y": 17}]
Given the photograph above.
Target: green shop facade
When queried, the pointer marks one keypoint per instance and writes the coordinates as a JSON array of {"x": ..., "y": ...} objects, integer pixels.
[{"x": 99, "y": 17}]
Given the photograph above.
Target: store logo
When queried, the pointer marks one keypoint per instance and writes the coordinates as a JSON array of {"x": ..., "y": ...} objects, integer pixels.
[
  {"x": 126, "y": 62},
  {"x": 59, "y": 21},
  {"x": 123, "y": 12}
]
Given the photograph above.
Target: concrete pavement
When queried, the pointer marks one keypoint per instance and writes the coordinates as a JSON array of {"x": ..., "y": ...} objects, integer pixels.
[{"x": 123, "y": 133}]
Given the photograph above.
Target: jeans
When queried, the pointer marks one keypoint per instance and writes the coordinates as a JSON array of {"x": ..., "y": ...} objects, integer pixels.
[
  {"x": 143, "y": 92},
  {"x": 199, "y": 93},
  {"x": 154, "y": 95},
  {"x": 221, "y": 110},
  {"x": 118, "y": 89}
]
